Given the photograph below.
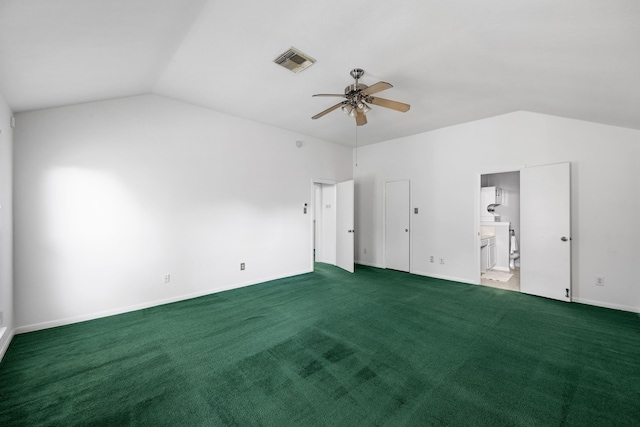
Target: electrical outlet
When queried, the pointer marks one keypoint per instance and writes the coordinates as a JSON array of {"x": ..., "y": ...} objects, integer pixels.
[
  {"x": 242, "y": 266},
  {"x": 167, "y": 278},
  {"x": 441, "y": 260},
  {"x": 599, "y": 281},
  {"x": 431, "y": 259},
  {"x": 365, "y": 251}
]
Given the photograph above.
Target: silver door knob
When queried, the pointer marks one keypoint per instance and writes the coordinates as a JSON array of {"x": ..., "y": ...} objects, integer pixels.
[{"x": 564, "y": 239}]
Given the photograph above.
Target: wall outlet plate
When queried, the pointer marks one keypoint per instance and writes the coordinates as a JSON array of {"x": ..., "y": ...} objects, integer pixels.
[
  {"x": 242, "y": 266},
  {"x": 599, "y": 280}
]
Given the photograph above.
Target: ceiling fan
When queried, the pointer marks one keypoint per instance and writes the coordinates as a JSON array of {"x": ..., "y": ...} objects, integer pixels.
[{"x": 358, "y": 95}]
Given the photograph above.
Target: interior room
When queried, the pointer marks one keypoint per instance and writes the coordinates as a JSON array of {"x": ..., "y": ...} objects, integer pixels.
[
  {"x": 301, "y": 211},
  {"x": 500, "y": 230}
]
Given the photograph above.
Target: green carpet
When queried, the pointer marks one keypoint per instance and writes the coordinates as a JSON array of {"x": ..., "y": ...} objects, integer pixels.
[{"x": 332, "y": 349}]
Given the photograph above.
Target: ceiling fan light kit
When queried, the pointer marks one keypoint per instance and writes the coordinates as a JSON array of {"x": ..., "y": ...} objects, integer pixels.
[{"x": 357, "y": 95}]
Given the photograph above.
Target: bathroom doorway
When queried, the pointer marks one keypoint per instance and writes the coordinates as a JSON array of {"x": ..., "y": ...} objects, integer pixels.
[
  {"x": 500, "y": 230},
  {"x": 332, "y": 219}
]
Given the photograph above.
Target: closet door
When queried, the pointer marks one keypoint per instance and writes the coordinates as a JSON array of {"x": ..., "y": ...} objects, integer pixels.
[{"x": 397, "y": 216}]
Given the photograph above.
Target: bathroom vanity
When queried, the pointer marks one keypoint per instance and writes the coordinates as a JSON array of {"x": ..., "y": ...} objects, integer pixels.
[
  {"x": 496, "y": 249},
  {"x": 487, "y": 253}
]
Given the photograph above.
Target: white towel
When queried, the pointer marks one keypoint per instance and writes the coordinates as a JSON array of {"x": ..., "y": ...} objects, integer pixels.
[{"x": 514, "y": 244}]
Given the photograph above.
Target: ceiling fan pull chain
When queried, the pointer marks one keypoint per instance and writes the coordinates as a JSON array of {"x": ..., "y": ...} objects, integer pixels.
[{"x": 356, "y": 145}]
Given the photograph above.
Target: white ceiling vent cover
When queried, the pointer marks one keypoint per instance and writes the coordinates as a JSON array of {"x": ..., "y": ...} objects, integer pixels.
[{"x": 294, "y": 60}]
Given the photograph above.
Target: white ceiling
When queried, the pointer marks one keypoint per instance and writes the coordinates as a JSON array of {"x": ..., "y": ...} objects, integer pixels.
[{"x": 454, "y": 61}]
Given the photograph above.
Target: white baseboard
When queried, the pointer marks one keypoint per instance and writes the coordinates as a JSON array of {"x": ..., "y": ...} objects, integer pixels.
[
  {"x": 136, "y": 307},
  {"x": 606, "y": 305},
  {"x": 8, "y": 336}
]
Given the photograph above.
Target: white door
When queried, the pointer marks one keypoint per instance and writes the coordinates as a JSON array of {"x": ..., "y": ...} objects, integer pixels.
[
  {"x": 545, "y": 231},
  {"x": 344, "y": 226},
  {"x": 397, "y": 210}
]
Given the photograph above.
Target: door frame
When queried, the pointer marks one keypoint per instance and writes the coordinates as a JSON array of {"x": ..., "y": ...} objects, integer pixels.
[
  {"x": 477, "y": 213},
  {"x": 312, "y": 215},
  {"x": 384, "y": 221}
]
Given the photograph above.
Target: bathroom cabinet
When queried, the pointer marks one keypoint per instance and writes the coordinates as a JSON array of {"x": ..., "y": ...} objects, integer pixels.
[
  {"x": 487, "y": 254},
  {"x": 489, "y": 196},
  {"x": 491, "y": 261}
]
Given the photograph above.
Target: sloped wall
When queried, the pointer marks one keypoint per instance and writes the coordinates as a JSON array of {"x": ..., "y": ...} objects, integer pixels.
[{"x": 113, "y": 196}]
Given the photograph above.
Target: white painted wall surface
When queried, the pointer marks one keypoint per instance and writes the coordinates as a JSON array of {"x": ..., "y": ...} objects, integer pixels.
[
  {"x": 111, "y": 196},
  {"x": 6, "y": 227},
  {"x": 444, "y": 166}
]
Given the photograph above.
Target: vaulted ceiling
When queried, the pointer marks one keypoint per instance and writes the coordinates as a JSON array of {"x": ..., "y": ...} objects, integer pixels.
[{"x": 454, "y": 61}]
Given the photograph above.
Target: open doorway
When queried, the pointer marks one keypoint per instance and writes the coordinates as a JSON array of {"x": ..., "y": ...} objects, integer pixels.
[
  {"x": 333, "y": 223},
  {"x": 500, "y": 230},
  {"x": 324, "y": 223}
]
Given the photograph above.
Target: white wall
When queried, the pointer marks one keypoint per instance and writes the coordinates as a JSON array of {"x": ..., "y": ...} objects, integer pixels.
[
  {"x": 6, "y": 227},
  {"x": 111, "y": 196},
  {"x": 445, "y": 167}
]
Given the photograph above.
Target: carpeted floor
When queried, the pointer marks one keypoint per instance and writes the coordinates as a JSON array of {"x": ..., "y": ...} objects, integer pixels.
[{"x": 332, "y": 349}]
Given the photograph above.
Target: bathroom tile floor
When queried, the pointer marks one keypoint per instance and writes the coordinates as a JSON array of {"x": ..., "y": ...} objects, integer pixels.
[{"x": 512, "y": 285}]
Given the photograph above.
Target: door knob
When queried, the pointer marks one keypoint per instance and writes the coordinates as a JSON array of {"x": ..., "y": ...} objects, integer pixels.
[
  {"x": 564, "y": 239},
  {"x": 406, "y": 229}
]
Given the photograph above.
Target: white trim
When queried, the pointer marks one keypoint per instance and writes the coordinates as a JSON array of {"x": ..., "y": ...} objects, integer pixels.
[
  {"x": 131, "y": 308},
  {"x": 606, "y": 305},
  {"x": 477, "y": 214},
  {"x": 312, "y": 211},
  {"x": 323, "y": 181},
  {"x": 5, "y": 347}
]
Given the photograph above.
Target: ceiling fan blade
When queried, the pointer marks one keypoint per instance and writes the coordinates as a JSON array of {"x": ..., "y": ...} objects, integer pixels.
[
  {"x": 394, "y": 105},
  {"x": 328, "y": 110},
  {"x": 361, "y": 119},
  {"x": 378, "y": 87},
  {"x": 330, "y": 94}
]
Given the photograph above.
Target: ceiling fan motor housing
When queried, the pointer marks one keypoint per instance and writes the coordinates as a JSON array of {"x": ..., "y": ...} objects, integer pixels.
[{"x": 354, "y": 88}]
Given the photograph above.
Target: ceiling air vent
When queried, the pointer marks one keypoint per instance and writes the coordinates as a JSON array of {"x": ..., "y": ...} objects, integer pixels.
[{"x": 294, "y": 60}]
